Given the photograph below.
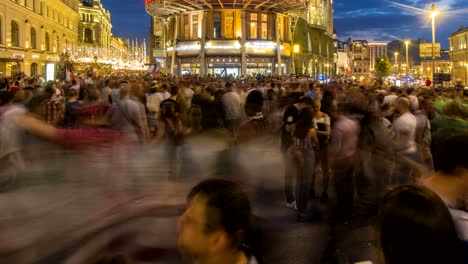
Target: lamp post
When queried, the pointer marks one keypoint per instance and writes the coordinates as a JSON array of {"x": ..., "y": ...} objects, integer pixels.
[
  {"x": 434, "y": 13},
  {"x": 407, "y": 64}
]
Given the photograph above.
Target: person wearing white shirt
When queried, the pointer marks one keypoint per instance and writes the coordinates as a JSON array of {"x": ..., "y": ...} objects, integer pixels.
[
  {"x": 232, "y": 108},
  {"x": 391, "y": 98},
  {"x": 404, "y": 135}
]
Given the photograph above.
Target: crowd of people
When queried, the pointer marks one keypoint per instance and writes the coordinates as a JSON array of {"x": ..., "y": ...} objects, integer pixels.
[{"x": 396, "y": 155}]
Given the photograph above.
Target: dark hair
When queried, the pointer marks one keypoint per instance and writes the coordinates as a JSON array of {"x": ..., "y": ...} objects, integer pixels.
[
  {"x": 306, "y": 100},
  {"x": 304, "y": 122},
  {"x": 228, "y": 208},
  {"x": 174, "y": 90},
  {"x": 451, "y": 153},
  {"x": 228, "y": 85},
  {"x": 416, "y": 227},
  {"x": 253, "y": 103},
  {"x": 73, "y": 82},
  {"x": 72, "y": 92}
]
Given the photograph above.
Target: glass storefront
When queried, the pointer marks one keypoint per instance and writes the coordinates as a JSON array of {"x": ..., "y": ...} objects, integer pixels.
[
  {"x": 224, "y": 69},
  {"x": 257, "y": 66}
]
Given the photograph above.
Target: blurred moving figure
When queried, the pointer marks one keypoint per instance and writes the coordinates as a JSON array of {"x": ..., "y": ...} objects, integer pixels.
[
  {"x": 416, "y": 227},
  {"x": 450, "y": 182},
  {"x": 215, "y": 226}
]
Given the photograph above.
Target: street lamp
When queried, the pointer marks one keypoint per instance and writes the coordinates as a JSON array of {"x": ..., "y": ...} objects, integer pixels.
[
  {"x": 434, "y": 13},
  {"x": 407, "y": 65}
]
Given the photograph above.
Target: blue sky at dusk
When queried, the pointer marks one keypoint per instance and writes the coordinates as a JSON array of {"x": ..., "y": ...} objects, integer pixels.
[{"x": 362, "y": 19}]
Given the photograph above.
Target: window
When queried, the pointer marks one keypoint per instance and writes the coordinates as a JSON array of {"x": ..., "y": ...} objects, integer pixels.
[
  {"x": 264, "y": 28},
  {"x": 229, "y": 25},
  {"x": 33, "y": 38},
  {"x": 280, "y": 28},
  {"x": 88, "y": 35},
  {"x": 88, "y": 3},
  {"x": 14, "y": 34},
  {"x": 253, "y": 25},
  {"x": 217, "y": 25},
  {"x": 186, "y": 27},
  {"x": 47, "y": 42},
  {"x": 33, "y": 69},
  {"x": 57, "y": 44},
  {"x": 195, "y": 26}
]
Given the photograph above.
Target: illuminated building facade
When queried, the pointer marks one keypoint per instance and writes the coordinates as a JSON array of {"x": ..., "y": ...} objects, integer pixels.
[
  {"x": 95, "y": 24},
  {"x": 376, "y": 50},
  {"x": 459, "y": 55},
  {"x": 240, "y": 38},
  {"x": 360, "y": 59},
  {"x": 35, "y": 33}
]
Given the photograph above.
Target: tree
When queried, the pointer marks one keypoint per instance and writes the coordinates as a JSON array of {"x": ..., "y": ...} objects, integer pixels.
[{"x": 383, "y": 66}]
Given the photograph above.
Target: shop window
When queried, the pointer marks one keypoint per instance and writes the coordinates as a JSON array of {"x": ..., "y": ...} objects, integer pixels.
[
  {"x": 33, "y": 38},
  {"x": 253, "y": 25},
  {"x": 14, "y": 34},
  {"x": 195, "y": 26},
  {"x": 217, "y": 25},
  {"x": 229, "y": 25}
]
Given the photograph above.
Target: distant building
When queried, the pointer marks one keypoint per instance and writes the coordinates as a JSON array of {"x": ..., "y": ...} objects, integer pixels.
[
  {"x": 95, "y": 25},
  {"x": 360, "y": 59},
  {"x": 35, "y": 35},
  {"x": 376, "y": 50},
  {"x": 441, "y": 66},
  {"x": 459, "y": 55}
]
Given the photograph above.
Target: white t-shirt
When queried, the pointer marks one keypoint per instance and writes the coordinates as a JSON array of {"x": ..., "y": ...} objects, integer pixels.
[
  {"x": 414, "y": 102},
  {"x": 232, "y": 105},
  {"x": 188, "y": 97},
  {"x": 404, "y": 133},
  {"x": 390, "y": 99}
]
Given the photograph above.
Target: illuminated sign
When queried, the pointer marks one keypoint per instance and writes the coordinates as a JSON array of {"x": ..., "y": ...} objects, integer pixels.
[
  {"x": 18, "y": 55},
  {"x": 35, "y": 56},
  {"x": 261, "y": 44},
  {"x": 188, "y": 47},
  {"x": 235, "y": 45}
]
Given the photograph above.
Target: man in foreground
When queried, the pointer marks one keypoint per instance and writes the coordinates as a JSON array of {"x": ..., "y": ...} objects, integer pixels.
[{"x": 215, "y": 225}]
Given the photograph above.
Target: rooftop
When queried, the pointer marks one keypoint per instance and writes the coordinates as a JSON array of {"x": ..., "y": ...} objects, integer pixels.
[{"x": 460, "y": 30}]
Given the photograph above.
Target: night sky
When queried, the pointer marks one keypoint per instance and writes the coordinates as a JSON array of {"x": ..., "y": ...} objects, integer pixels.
[{"x": 359, "y": 19}]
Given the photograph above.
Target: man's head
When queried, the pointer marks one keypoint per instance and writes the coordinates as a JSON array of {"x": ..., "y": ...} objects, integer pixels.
[
  {"x": 174, "y": 90},
  {"x": 216, "y": 219},
  {"x": 403, "y": 104}
]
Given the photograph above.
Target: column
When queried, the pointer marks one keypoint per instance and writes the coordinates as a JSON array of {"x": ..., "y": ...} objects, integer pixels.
[
  {"x": 176, "y": 30},
  {"x": 243, "y": 50},
  {"x": 278, "y": 45},
  {"x": 202, "y": 45}
]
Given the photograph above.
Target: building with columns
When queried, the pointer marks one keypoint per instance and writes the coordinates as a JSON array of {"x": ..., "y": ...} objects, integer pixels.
[
  {"x": 95, "y": 27},
  {"x": 459, "y": 55},
  {"x": 34, "y": 34},
  {"x": 376, "y": 50},
  {"x": 233, "y": 37}
]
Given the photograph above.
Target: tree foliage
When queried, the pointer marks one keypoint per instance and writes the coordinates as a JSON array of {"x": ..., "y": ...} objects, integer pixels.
[{"x": 383, "y": 66}]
